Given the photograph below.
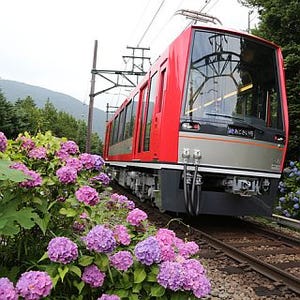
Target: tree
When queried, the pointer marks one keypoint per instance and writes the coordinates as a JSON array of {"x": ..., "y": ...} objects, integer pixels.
[
  {"x": 6, "y": 117},
  {"x": 280, "y": 23}
]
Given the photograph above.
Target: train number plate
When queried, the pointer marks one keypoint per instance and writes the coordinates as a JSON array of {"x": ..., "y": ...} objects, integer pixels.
[{"x": 240, "y": 131}]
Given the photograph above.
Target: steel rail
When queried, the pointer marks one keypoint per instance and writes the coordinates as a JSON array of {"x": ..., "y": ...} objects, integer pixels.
[{"x": 268, "y": 270}]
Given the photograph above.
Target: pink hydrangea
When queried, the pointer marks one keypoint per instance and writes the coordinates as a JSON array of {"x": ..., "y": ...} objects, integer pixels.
[
  {"x": 88, "y": 195},
  {"x": 34, "y": 179},
  {"x": 62, "y": 250},
  {"x": 3, "y": 142},
  {"x": 93, "y": 276},
  {"x": 74, "y": 163},
  {"x": 136, "y": 216},
  {"x": 109, "y": 297},
  {"x": 34, "y": 285},
  {"x": 63, "y": 155},
  {"x": 88, "y": 160},
  {"x": 66, "y": 175},
  {"x": 7, "y": 290},
  {"x": 121, "y": 260},
  {"x": 70, "y": 147},
  {"x": 121, "y": 235},
  {"x": 26, "y": 143},
  {"x": 38, "y": 153}
]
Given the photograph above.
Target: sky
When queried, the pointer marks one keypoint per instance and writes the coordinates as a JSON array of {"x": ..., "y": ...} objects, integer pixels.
[{"x": 50, "y": 43}]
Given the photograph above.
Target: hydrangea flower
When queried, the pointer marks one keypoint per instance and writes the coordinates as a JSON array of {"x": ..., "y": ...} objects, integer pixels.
[
  {"x": 75, "y": 163},
  {"x": 102, "y": 177},
  {"x": 3, "y": 142},
  {"x": 171, "y": 275},
  {"x": 88, "y": 195},
  {"x": 88, "y": 160},
  {"x": 70, "y": 147},
  {"x": 62, "y": 250},
  {"x": 121, "y": 235},
  {"x": 98, "y": 162},
  {"x": 100, "y": 239},
  {"x": 109, "y": 297},
  {"x": 188, "y": 249},
  {"x": 34, "y": 285},
  {"x": 121, "y": 260},
  {"x": 66, "y": 175},
  {"x": 7, "y": 290},
  {"x": 93, "y": 276},
  {"x": 26, "y": 143},
  {"x": 148, "y": 251},
  {"x": 63, "y": 155},
  {"x": 35, "y": 178},
  {"x": 38, "y": 153},
  {"x": 136, "y": 216}
]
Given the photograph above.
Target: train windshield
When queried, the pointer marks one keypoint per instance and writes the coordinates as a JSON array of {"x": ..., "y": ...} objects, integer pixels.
[{"x": 233, "y": 78}]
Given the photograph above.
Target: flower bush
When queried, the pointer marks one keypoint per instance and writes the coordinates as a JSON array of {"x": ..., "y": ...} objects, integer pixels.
[
  {"x": 289, "y": 192},
  {"x": 64, "y": 236}
]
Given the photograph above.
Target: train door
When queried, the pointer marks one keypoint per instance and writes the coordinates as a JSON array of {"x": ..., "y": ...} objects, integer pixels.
[{"x": 157, "y": 116}]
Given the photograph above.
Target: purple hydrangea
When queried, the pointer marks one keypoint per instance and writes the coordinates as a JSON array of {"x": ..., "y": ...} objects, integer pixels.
[
  {"x": 88, "y": 195},
  {"x": 3, "y": 142},
  {"x": 148, "y": 251},
  {"x": 93, "y": 276},
  {"x": 35, "y": 178},
  {"x": 100, "y": 239},
  {"x": 136, "y": 216},
  {"x": 121, "y": 234},
  {"x": 26, "y": 143},
  {"x": 98, "y": 162},
  {"x": 165, "y": 236},
  {"x": 34, "y": 285},
  {"x": 122, "y": 201},
  {"x": 70, "y": 147},
  {"x": 7, "y": 290},
  {"x": 62, "y": 250},
  {"x": 74, "y": 163},
  {"x": 188, "y": 249},
  {"x": 88, "y": 160},
  {"x": 63, "y": 155},
  {"x": 171, "y": 275},
  {"x": 109, "y": 297},
  {"x": 121, "y": 260},
  {"x": 38, "y": 153},
  {"x": 102, "y": 177},
  {"x": 66, "y": 175}
]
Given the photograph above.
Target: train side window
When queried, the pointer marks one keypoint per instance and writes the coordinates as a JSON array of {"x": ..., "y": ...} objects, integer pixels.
[
  {"x": 144, "y": 93},
  {"x": 115, "y": 130},
  {"x": 162, "y": 88},
  {"x": 134, "y": 113},
  {"x": 150, "y": 106},
  {"x": 128, "y": 120},
  {"x": 121, "y": 126}
]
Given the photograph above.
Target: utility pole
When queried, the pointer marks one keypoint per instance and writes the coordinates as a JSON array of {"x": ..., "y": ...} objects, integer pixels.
[{"x": 91, "y": 104}]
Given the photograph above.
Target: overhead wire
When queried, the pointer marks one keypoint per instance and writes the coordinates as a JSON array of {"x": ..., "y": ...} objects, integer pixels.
[{"x": 151, "y": 22}]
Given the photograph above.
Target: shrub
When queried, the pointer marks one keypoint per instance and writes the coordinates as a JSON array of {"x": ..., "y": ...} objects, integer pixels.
[
  {"x": 64, "y": 236},
  {"x": 289, "y": 192}
]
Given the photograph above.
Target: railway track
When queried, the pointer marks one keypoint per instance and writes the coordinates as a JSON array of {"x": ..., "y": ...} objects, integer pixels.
[{"x": 272, "y": 254}]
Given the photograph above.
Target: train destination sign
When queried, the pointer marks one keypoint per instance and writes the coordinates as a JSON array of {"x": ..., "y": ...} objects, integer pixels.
[{"x": 240, "y": 131}]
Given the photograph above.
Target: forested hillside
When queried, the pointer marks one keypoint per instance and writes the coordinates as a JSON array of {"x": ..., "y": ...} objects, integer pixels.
[{"x": 13, "y": 90}]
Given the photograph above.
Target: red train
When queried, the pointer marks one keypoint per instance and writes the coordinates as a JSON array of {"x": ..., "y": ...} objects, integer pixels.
[{"x": 205, "y": 131}]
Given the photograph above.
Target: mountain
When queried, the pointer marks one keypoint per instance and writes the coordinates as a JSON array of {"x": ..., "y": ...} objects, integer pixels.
[{"x": 13, "y": 90}]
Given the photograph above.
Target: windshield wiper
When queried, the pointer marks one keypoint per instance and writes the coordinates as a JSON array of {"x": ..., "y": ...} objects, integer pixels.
[{"x": 243, "y": 121}]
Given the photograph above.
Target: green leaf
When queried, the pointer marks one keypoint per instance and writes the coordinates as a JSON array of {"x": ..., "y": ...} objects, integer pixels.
[
  {"x": 134, "y": 297},
  {"x": 139, "y": 275},
  {"x": 69, "y": 212},
  {"x": 85, "y": 260},
  {"x": 157, "y": 290},
  {"x": 62, "y": 272},
  {"x": 75, "y": 270},
  {"x": 55, "y": 280},
  {"x": 78, "y": 285},
  {"x": 43, "y": 257},
  {"x": 43, "y": 223},
  {"x": 137, "y": 287},
  {"x": 6, "y": 173}
]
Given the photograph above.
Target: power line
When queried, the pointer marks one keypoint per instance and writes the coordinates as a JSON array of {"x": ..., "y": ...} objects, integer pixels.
[{"x": 151, "y": 22}]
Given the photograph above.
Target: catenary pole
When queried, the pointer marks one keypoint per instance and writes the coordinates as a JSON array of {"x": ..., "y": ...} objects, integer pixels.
[{"x": 91, "y": 104}]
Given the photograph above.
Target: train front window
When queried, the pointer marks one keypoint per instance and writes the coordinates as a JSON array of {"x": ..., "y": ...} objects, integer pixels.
[{"x": 232, "y": 78}]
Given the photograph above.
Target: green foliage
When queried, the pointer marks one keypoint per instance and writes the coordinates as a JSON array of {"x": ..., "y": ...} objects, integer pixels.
[
  {"x": 289, "y": 188},
  {"x": 280, "y": 23}
]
